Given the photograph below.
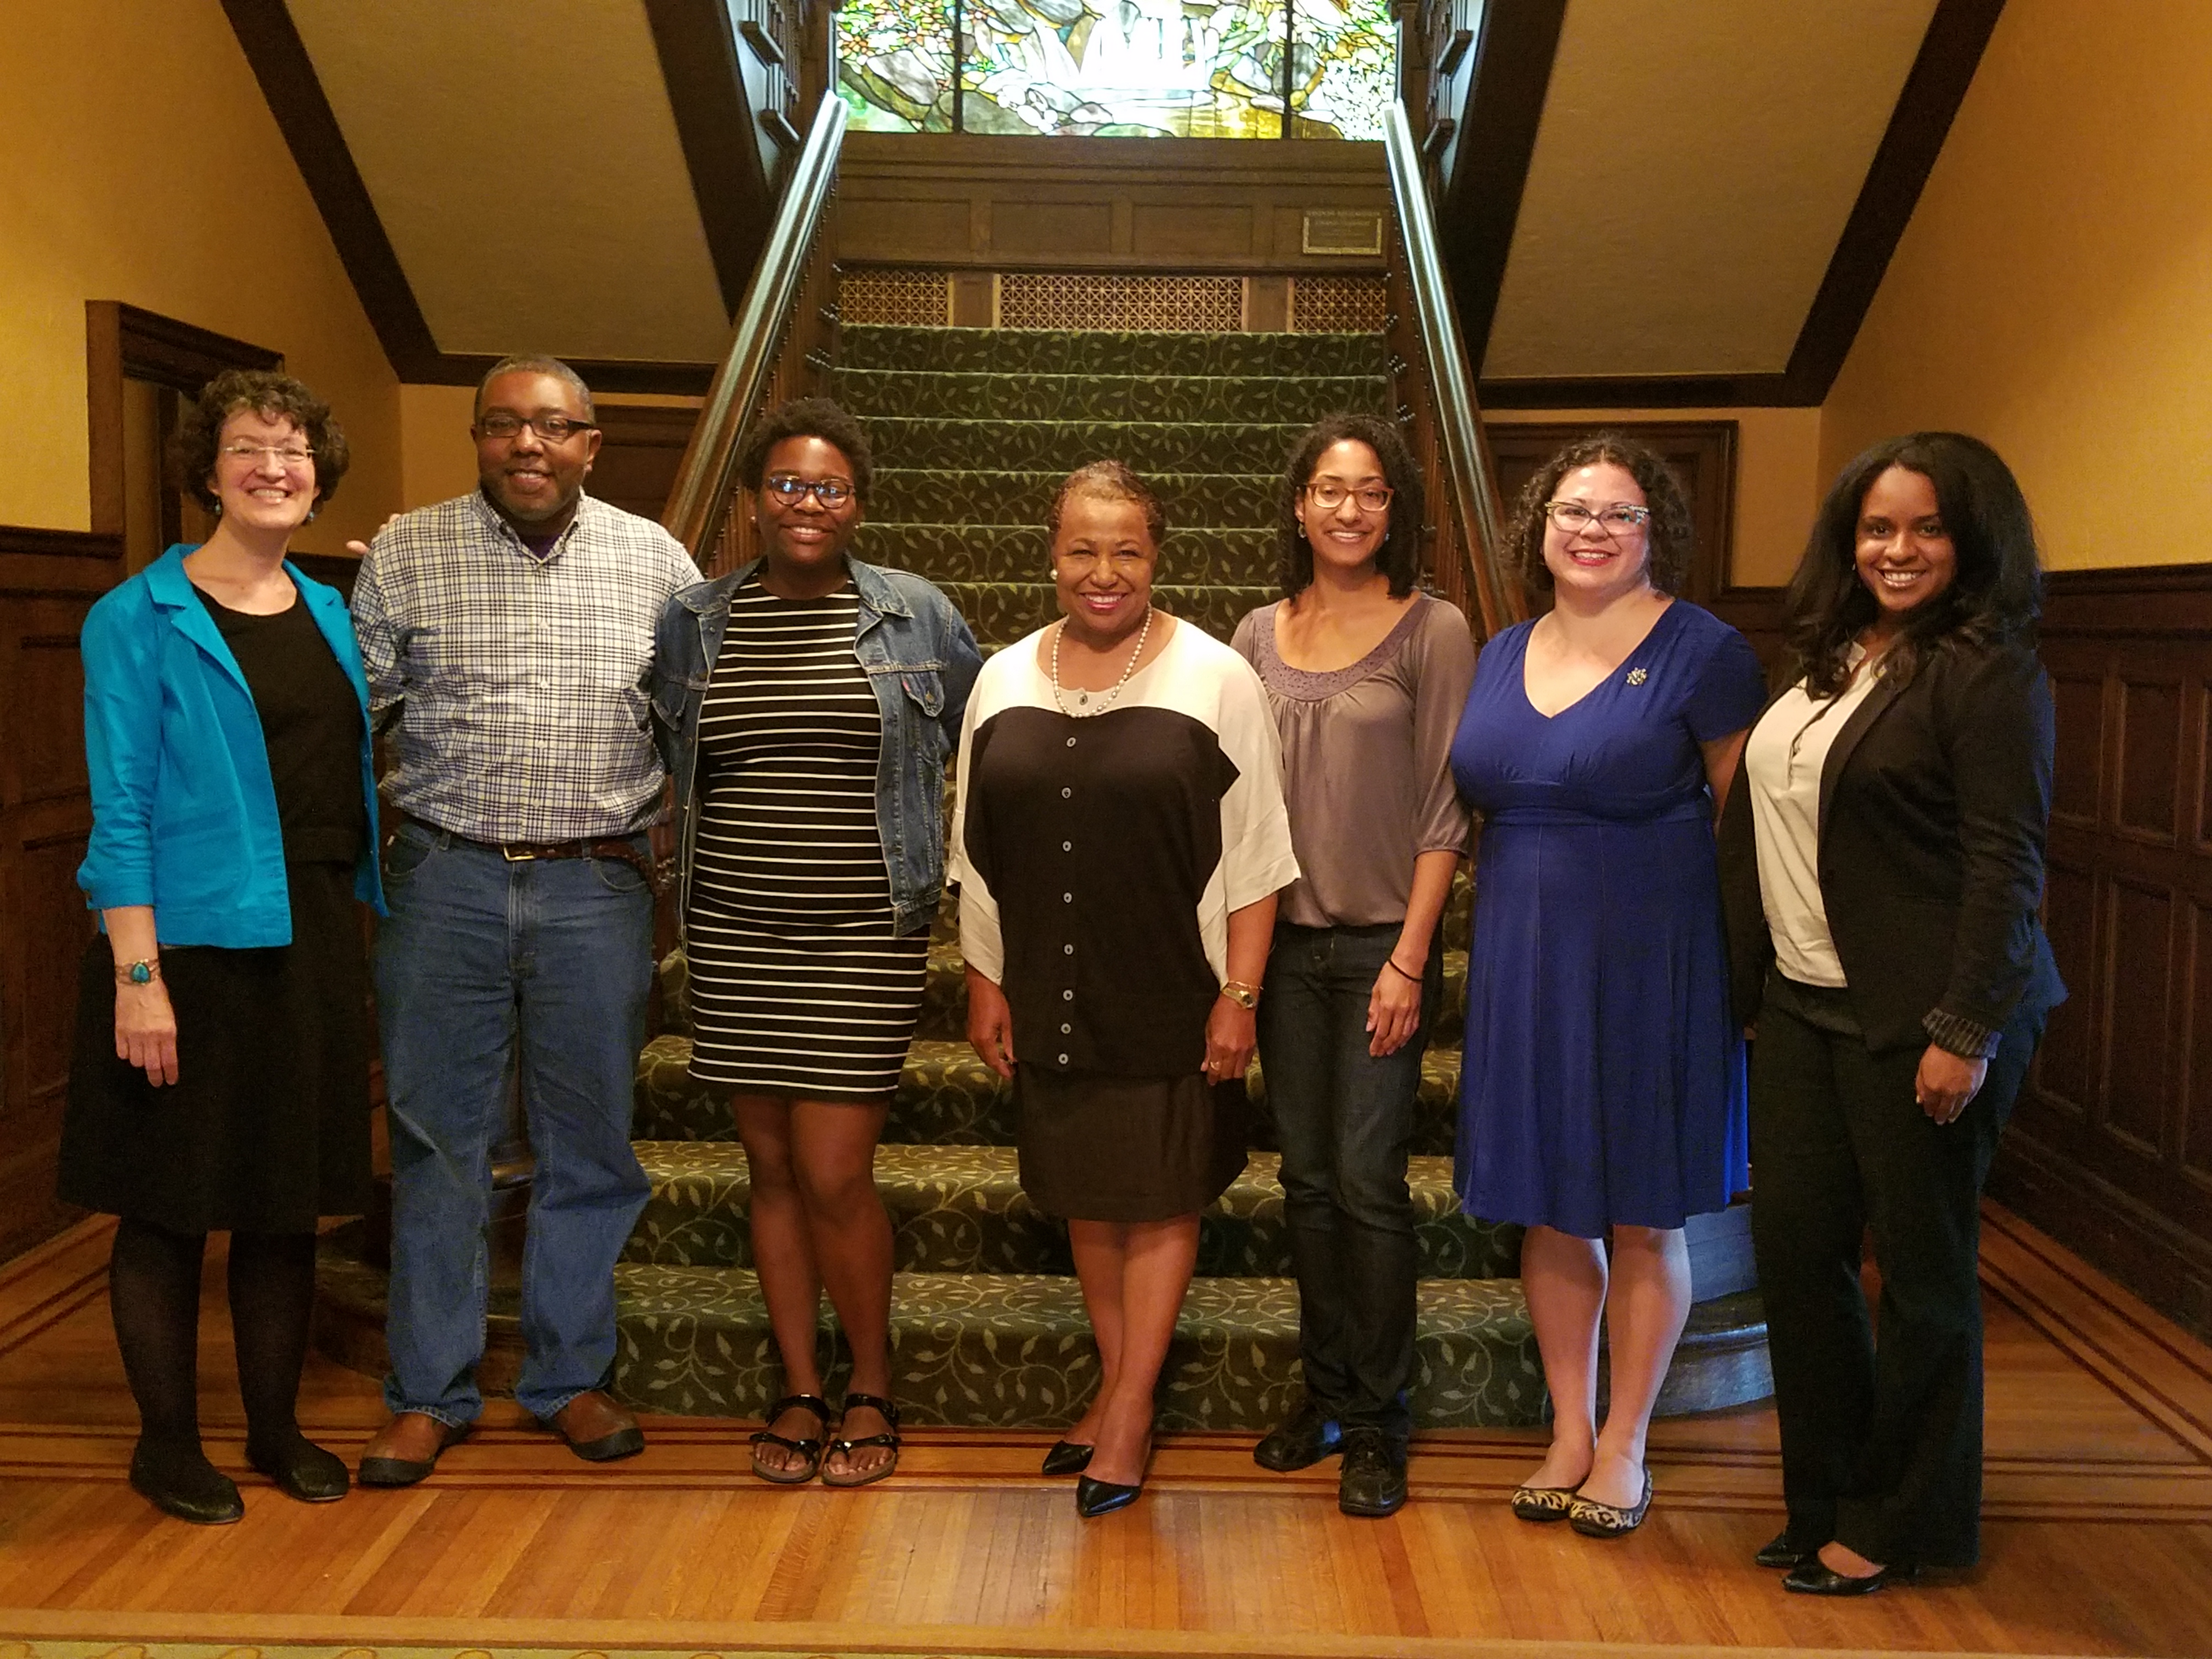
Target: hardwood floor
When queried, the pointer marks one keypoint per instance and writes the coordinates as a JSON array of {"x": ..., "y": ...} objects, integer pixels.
[{"x": 2099, "y": 1537}]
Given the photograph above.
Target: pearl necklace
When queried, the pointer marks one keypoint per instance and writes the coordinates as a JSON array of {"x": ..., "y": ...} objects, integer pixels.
[{"x": 1082, "y": 709}]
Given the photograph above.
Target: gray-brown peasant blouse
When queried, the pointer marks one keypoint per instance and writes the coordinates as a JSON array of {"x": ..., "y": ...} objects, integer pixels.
[{"x": 1367, "y": 761}]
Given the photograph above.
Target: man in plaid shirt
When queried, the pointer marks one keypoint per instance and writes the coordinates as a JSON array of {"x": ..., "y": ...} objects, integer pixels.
[{"x": 508, "y": 636}]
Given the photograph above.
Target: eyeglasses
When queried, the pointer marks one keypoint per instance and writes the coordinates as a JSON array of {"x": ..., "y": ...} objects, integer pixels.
[
  {"x": 554, "y": 428},
  {"x": 287, "y": 455},
  {"x": 1619, "y": 520},
  {"x": 791, "y": 489},
  {"x": 1372, "y": 498}
]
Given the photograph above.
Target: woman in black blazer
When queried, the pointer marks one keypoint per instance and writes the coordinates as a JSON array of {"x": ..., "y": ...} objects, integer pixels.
[{"x": 1883, "y": 871}]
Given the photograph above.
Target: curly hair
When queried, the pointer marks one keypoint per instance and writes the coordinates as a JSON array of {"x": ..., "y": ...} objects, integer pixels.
[
  {"x": 1108, "y": 481},
  {"x": 271, "y": 396},
  {"x": 1671, "y": 535},
  {"x": 1400, "y": 555},
  {"x": 1995, "y": 593},
  {"x": 808, "y": 417}
]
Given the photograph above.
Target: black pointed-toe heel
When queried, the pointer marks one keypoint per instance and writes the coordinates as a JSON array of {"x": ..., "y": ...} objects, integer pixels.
[
  {"x": 1096, "y": 1498},
  {"x": 1068, "y": 1457},
  {"x": 1811, "y": 1576}
]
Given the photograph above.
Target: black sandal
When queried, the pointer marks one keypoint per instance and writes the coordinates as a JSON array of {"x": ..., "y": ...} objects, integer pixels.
[
  {"x": 891, "y": 1415},
  {"x": 809, "y": 1447}
]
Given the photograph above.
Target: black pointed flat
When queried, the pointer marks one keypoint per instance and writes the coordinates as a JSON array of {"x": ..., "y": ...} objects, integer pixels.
[
  {"x": 1780, "y": 1553},
  {"x": 1096, "y": 1498},
  {"x": 1068, "y": 1457},
  {"x": 1812, "y": 1577}
]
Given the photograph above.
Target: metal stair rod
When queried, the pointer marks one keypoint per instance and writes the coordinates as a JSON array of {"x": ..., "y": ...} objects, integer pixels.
[
  {"x": 697, "y": 503},
  {"x": 1451, "y": 383}
]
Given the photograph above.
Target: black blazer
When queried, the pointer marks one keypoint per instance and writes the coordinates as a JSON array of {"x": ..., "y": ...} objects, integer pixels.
[{"x": 1935, "y": 803}]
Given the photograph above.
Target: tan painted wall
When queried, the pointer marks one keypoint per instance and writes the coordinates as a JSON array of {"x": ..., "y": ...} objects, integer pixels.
[
  {"x": 139, "y": 162},
  {"x": 2053, "y": 293},
  {"x": 1777, "y": 478}
]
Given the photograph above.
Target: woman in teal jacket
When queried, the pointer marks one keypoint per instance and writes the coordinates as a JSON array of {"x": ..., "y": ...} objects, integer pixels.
[{"x": 220, "y": 1080}]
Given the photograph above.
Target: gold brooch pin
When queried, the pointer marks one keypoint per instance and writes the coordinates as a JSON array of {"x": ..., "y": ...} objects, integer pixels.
[{"x": 1637, "y": 677}]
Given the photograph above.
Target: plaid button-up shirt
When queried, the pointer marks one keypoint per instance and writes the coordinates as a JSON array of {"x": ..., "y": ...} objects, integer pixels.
[{"x": 512, "y": 690}]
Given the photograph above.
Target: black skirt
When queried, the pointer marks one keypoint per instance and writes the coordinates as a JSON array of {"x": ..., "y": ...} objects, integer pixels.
[
  {"x": 1095, "y": 1146},
  {"x": 266, "y": 1128}
]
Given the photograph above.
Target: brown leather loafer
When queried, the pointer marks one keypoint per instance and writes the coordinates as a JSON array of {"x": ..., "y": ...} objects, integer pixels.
[
  {"x": 597, "y": 1429},
  {"x": 406, "y": 1448}
]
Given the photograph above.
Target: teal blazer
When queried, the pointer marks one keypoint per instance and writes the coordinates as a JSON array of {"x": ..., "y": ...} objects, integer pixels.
[{"x": 183, "y": 809}]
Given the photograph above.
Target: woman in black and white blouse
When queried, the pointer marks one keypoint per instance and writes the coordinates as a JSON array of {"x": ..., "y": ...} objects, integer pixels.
[{"x": 1119, "y": 840}]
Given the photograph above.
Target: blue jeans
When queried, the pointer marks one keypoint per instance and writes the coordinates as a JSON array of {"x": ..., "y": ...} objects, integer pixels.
[
  {"x": 484, "y": 965},
  {"x": 1345, "y": 1121}
]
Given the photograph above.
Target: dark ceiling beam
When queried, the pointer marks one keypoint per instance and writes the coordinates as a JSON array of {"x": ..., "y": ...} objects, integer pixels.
[
  {"x": 698, "y": 50},
  {"x": 295, "y": 94},
  {"x": 1495, "y": 139},
  {"x": 293, "y": 91},
  {"x": 1949, "y": 53}
]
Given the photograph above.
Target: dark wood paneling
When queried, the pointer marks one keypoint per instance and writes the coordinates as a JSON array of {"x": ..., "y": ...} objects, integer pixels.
[
  {"x": 1180, "y": 204},
  {"x": 640, "y": 449},
  {"x": 48, "y": 581},
  {"x": 2111, "y": 1149}
]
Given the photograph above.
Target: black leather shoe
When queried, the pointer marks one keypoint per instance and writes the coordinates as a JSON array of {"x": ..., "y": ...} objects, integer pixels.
[
  {"x": 1371, "y": 1480},
  {"x": 179, "y": 1481},
  {"x": 1095, "y": 1497},
  {"x": 1811, "y": 1577},
  {"x": 301, "y": 1468},
  {"x": 1067, "y": 1457},
  {"x": 1780, "y": 1553},
  {"x": 1299, "y": 1443}
]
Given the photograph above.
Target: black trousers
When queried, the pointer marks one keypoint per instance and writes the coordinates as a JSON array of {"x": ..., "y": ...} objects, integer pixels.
[{"x": 1881, "y": 1427}]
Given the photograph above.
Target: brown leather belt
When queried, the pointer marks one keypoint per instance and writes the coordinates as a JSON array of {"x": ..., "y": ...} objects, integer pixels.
[{"x": 617, "y": 848}]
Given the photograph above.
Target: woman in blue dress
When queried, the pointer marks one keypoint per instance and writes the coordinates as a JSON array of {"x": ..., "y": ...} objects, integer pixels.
[{"x": 1603, "y": 1090}]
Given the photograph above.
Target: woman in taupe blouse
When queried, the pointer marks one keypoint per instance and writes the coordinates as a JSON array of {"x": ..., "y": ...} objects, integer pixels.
[{"x": 1365, "y": 678}]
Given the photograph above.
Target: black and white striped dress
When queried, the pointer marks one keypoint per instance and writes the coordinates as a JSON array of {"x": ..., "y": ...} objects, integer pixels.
[{"x": 797, "y": 985}]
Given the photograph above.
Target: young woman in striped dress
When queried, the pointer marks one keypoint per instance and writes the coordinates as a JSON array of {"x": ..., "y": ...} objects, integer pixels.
[{"x": 809, "y": 702}]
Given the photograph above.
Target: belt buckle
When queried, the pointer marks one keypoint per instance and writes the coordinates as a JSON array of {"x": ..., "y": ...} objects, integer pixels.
[{"x": 514, "y": 857}]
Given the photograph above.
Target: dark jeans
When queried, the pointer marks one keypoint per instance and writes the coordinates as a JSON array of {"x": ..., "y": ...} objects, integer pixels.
[
  {"x": 1882, "y": 1441},
  {"x": 1346, "y": 1123}
]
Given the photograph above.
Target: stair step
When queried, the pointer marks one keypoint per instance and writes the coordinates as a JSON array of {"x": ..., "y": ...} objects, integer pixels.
[
  {"x": 1022, "y": 553},
  {"x": 1063, "y": 446},
  {"x": 1002, "y": 613},
  {"x": 1231, "y": 500},
  {"x": 1014, "y": 1351},
  {"x": 1093, "y": 396},
  {"x": 961, "y": 1210},
  {"x": 948, "y": 1097},
  {"x": 1093, "y": 352}
]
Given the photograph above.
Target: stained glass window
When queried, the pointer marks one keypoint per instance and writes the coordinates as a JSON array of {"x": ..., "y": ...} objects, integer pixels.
[{"x": 1192, "y": 69}]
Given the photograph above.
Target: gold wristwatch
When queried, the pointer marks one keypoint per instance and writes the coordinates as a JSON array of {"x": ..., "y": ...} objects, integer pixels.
[{"x": 1244, "y": 995}]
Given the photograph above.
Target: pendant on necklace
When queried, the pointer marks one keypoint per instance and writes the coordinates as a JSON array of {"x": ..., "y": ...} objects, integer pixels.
[{"x": 1082, "y": 699}]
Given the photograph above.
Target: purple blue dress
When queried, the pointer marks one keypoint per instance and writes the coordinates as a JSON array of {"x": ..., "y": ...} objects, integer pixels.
[{"x": 1603, "y": 1080}]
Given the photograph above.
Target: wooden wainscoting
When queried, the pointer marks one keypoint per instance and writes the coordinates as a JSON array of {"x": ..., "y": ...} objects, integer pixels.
[{"x": 2110, "y": 1148}]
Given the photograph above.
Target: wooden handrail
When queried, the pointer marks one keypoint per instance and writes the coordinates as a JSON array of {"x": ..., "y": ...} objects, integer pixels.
[
  {"x": 698, "y": 503},
  {"x": 1469, "y": 476}
]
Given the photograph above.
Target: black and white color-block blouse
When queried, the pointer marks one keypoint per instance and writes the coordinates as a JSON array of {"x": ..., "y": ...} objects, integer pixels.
[{"x": 1099, "y": 858}]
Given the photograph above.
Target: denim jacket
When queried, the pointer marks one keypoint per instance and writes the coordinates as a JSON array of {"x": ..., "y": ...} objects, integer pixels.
[{"x": 920, "y": 660}]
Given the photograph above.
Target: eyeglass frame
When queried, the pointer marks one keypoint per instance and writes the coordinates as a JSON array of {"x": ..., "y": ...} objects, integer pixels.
[
  {"x": 790, "y": 490},
  {"x": 291, "y": 459},
  {"x": 1313, "y": 487},
  {"x": 573, "y": 425},
  {"x": 1640, "y": 517}
]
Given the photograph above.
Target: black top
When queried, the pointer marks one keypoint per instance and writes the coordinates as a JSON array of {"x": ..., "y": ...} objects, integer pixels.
[
  {"x": 1935, "y": 806},
  {"x": 311, "y": 720}
]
